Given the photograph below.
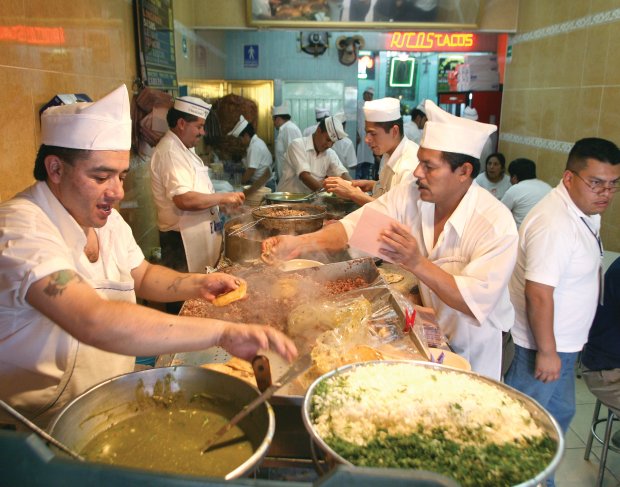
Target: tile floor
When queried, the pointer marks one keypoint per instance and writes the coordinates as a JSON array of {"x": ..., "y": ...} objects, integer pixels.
[{"x": 574, "y": 471}]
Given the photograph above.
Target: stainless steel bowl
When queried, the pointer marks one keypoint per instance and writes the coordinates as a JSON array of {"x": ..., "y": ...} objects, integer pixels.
[
  {"x": 311, "y": 221},
  {"x": 286, "y": 197},
  {"x": 114, "y": 400},
  {"x": 540, "y": 415}
]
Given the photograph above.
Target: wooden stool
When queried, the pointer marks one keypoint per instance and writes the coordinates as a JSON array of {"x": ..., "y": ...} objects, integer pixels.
[{"x": 609, "y": 420}]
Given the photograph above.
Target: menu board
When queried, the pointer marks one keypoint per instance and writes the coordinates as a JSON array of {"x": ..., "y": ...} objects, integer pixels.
[{"x": 156, "y": 31}]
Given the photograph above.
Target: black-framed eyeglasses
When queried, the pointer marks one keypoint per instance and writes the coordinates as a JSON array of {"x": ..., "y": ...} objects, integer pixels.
[{"x": 599, "y": 187}]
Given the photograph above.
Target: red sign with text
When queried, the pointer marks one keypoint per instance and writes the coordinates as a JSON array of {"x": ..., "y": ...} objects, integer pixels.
[{"x": 433, "y": 41}]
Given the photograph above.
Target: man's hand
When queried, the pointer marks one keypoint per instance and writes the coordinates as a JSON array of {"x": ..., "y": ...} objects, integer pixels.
[
  {"x": 212, "y": 285},
  {"x": 245, "y": 341},
  {"x": 400, "y": 246},
  {"x": 281, "y": 247},
  {"x": 340, "y": 187},
  {"x": 365, "y": 185},
  {"x": 231, "y": 199},
  {"x": 548, "y": 366}
]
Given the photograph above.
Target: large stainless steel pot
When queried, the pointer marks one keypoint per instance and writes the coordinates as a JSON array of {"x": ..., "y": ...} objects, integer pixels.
[
  {"x": 286, "y": 197},
  {"x": 539, "y": 414},
  {"x": 115, "y": 400},
  {"x": 311, "y": 221}
]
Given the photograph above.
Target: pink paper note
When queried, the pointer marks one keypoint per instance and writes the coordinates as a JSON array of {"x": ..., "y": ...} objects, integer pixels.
[{"x": 365, "y": 237}]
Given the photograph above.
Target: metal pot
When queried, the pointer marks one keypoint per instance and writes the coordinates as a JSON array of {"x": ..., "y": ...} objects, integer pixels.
[
  {"x": 242, "y": 246},
  {"x": 311, "y": 221},
  {"x": 286, "y": 197},
  {"x": 115, "y": 400},
  {"x": 539, "y": 414}
]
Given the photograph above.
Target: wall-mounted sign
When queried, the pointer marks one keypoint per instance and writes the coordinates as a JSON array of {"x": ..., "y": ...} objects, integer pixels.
[
  {"x": 250, "y": 55},
  {"x": 432, "y": 41}
]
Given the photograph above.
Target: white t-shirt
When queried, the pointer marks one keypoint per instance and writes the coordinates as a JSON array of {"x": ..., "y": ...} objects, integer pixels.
[
  {"x": 557, "y": 247},
  {"x": 520, "y": 198},
  {"x": 173, "y": 172},
  {"x": 496, "y": 189},
  {"x": 258, "y": 157},
  {"x": 287, "y": 132},
  {"x": 301, "y": 157},
  {"x": 478, "y": 247},
  {"x": 37, "y": 238}
]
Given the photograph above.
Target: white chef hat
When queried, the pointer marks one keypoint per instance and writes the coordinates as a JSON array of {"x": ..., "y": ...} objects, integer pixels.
[
  {"x": 470, "y": 113},
  {"x": 370, "y": 90},
  {"x": 445, "y": 132},
  {"x": 101, "y": 125},
  {"x": 283, "y": 109},
  {"x": 321, "y": 112},
  {"x": 193, "y": 106},
  {"x": 382, "y": 110},
  {"x": 334, "y": 127},
  {"x": 238, "y": 128}
]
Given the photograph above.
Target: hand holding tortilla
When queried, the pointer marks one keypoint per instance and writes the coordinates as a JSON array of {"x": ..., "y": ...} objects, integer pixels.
[
  {"x": 244, "y": 341},
  {"x": 340, "y": 187},
  {"x": 232, "y": 296}
]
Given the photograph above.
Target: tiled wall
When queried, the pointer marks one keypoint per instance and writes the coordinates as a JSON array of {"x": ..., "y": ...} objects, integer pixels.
[
  {"x": 56, "y": 46},
  {"x": 563, "y": 84}
]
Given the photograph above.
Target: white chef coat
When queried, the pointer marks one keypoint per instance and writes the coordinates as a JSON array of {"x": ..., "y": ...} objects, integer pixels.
[
  {"x": 558, "y": 247},
  {"x": 301, "y": 157},
  {"x": 520, "y": 198},
  {"x": 398, "y": 167},
  {"x": 41, "y": 365},
  {"x": 287, "y": 132},
  {"x": 176, "y": 170},
  {"x": 478, "y": 247},
  {"x": 496, "y": 189},
  {"x": 258, "y": 157},
  {"x": 412, "y": 132}
]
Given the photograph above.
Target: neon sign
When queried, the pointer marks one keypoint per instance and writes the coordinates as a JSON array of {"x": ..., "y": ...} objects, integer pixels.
[
  {"x": 432, "y": 41},
  {"x": 32, "y": 35}
]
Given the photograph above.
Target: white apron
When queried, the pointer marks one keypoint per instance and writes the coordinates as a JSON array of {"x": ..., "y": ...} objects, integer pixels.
[
  {"x": 201, "y": 230},
  {"x": 86, "y": 365}
]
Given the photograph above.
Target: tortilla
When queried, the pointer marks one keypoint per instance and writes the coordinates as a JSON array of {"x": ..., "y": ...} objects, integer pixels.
[
  {"x": 231, "y": 296},
  {"x": 241, "y": 369},
  {"x": 391, "y": 277}
]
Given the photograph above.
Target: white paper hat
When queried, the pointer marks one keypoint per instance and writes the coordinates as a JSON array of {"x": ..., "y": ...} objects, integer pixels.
[
  {"x": 334, "y": 127},
  {"x": 283, "y": 109},
  {"x": 470, "y": 113},
  {"x": 238, "y": 128},
  {"x": 370, "y": 90},
  {"x": 321, "y": 113},
  {"x": 382, "y": 110},
  {"x": 445, "y": 132},
  {"x": 101, "y": 125},
  {"x": 193, "y": 106}
]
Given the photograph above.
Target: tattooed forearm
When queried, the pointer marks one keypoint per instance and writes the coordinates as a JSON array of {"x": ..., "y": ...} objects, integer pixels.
[
  {"x": 58, "y": 282},
  {"x": 176, "y": 284}
]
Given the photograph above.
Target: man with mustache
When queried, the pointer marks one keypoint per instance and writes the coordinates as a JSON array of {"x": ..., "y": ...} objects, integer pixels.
[
  {"x": 555, "y": 286},
  {"x": 188, "y": 208},
  {"x": 457, "y": 238}
]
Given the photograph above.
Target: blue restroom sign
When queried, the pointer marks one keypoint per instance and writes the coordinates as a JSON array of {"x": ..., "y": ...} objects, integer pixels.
[{"x": 250, "y": 55}]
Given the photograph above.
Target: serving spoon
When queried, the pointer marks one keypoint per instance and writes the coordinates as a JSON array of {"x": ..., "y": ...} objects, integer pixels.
[
  {"x": 298, "y": 367},
  {"x": 38, "y": 431}
]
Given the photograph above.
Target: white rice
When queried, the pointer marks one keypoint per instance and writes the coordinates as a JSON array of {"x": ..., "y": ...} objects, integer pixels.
[{"x": 396, "y": 399}]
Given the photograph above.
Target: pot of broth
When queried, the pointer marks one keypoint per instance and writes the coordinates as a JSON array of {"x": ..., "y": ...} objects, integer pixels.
[{"x": 158, "y": 419}]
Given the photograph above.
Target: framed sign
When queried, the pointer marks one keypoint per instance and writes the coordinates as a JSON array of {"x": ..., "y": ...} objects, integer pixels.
[{"x": 364, "y": 14}]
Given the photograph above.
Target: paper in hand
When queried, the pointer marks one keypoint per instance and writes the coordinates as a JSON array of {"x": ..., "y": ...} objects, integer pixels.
[{"x": 365, "y": 237}]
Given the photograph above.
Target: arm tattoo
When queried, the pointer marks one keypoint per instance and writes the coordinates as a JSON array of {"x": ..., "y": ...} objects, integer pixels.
[
  {"x": 58, "y": 282},
  {"x": 177, "y": 283}
]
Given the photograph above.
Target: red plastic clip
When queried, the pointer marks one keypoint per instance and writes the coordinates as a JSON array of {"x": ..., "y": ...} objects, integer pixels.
[{"x": 409, "y": 320}]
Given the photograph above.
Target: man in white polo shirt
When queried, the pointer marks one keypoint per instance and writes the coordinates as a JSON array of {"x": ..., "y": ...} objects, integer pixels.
[
  {"x": 287, "y": 133},
  {"x": 457, "y": 238},
  {"x": 310, "y": 160},
  {"x": 555, "y": 284},
  {"x": 188, "y": 212},
  {"x": 384, "y": 136}
]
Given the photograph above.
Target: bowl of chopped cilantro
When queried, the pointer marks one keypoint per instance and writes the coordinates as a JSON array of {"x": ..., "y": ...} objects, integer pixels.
[{"x": 424, "y": 416}]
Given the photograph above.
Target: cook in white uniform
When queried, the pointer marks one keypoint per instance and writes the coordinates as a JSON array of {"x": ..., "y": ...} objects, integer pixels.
[
  {"x": 287, "y": 133},
  {"x": 457, "y": 239},
  {"x": 365, "y": 157},
  {"x": 413, "y": 129},
  {"x": 188, "y": 215},
  {"x": 258, "y": 160},
  {"x": 384, "y": 135},
  {"x": 71, "y": 271},
  {"x": 320, "y": 113},
  {"x": 310, "y": 160}
]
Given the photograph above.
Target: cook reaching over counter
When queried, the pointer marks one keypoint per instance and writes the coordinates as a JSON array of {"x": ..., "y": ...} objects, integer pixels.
[
  {"x": 71, "y": 271},
  {"x": 453, "y": 235}
]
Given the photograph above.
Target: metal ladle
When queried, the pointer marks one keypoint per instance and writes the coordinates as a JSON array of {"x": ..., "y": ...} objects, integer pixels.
[{"x": 38, "y": 431}]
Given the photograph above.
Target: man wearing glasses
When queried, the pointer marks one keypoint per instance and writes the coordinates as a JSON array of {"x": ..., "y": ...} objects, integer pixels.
[{"x": 555, "y": 285}]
